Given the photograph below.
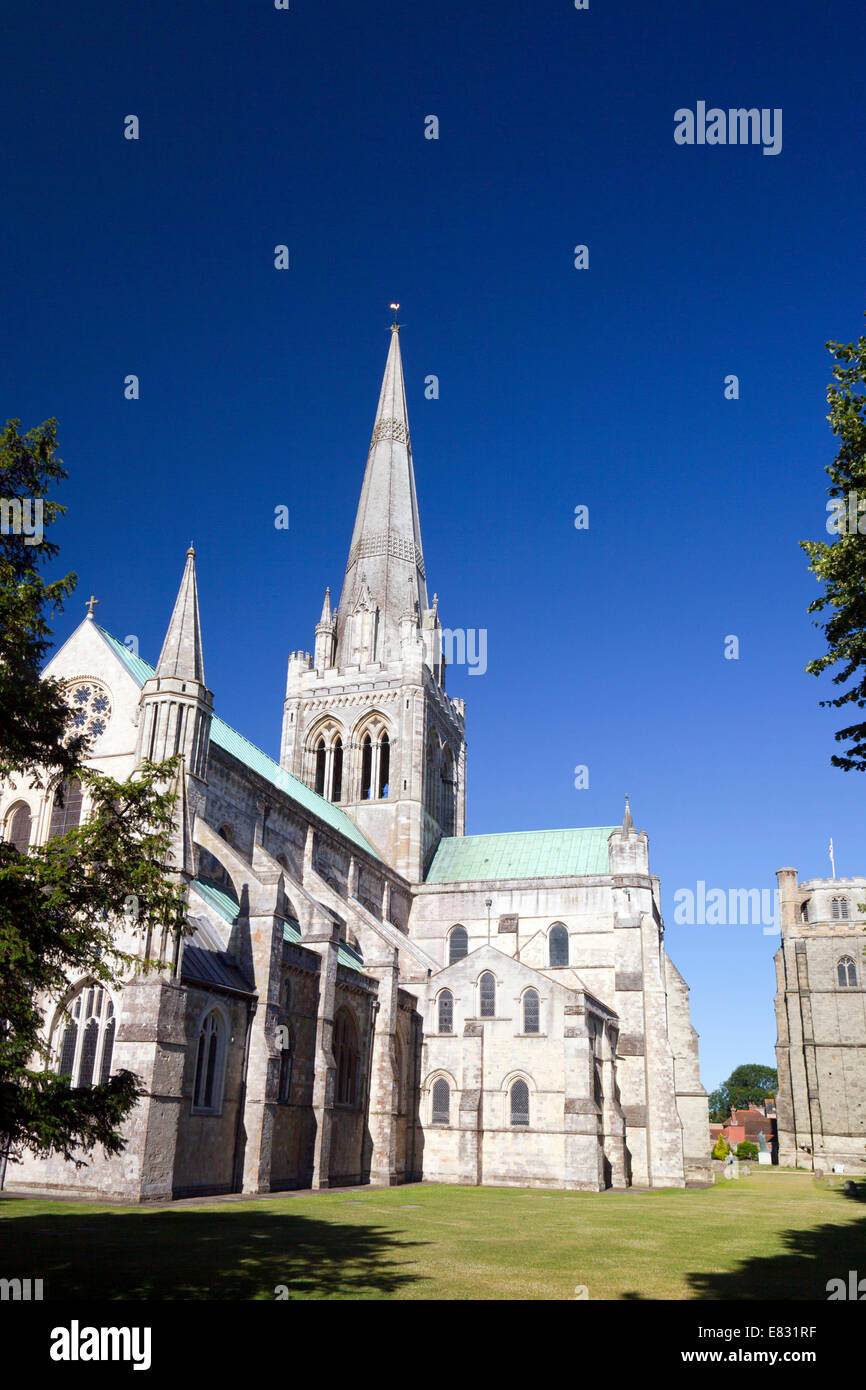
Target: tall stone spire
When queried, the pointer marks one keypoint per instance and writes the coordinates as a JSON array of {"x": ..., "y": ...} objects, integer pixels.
[
  {"x": 181, "y": 654},
  {"x": 386, "y": 542}
]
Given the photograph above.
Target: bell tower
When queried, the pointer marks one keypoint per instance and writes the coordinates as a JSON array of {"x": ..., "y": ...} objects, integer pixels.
[{"x": 366, "y": 720}]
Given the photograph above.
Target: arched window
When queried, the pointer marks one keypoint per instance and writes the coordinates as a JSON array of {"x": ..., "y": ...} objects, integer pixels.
[
  {"x": 366, "y": 768},
  {"x": 458, "y": 944},
  {"x": 804, "y": 911},
  {"x": 441, "y": 1102},
  {"x": 67, "y": 816},
  {"x": 446, "y": 1011},
  {"x": 530, "y": 1011},
  {"x": 18, "y": 826},
  {"x": 846, "y": 973},
  {"x": 346, "y": 1056},
  {"x": 431, "y": 781},
  {"x": 321, "y": 758},
  {"x": 86, "y": 1043},
  {"x": 207, "y": 1091},
  {"x": 520, "y": 1103},
  {"x": 287, "y": 1052},
  {"x": 487, "y": 990},
  {"x": 845, "y": 908},
  {"x": 446, "y": 809},
  {"x": 558, "y": 946},
  {"x": 337, "y": 791},
  {"x": 384, "y": 764}
]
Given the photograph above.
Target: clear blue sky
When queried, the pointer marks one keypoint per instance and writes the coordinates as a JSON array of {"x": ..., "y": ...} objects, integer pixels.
[{"x": 558, "y": 386}]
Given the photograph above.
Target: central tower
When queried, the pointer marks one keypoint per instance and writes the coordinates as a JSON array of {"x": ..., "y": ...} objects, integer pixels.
[{"x": 366, "y": 720}]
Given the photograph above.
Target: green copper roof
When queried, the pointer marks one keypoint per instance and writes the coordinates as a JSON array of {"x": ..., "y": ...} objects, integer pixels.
[
  {"x": 345, "y": 954},
  {"x": 252, "y": 757},
  {"x": 218, "y": 899},
  {"x": 522, "y": 854}
]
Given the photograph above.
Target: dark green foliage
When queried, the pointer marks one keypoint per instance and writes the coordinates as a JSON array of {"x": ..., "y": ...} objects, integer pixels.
[
  {"x": 750, "y": 1082},
  {"x": 840, "y": 565},
  {"x": 61, "y": 903}
]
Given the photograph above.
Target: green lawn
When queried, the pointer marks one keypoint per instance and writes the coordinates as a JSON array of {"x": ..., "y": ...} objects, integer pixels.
[{"x": 769, "y": 1235}]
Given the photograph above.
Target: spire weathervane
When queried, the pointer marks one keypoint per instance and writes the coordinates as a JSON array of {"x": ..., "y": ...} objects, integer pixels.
[{"x": 395, "y": 307}]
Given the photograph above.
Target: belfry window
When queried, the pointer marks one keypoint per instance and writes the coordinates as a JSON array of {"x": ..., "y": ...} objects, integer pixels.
[
  {"x": 337, "y": 791},
  {"x": 384, "y": 764},
  {"x": 846, "y": 973},
  {"x": 366, "y": 767},
  {"x": 321, "y": 761},
  {"x": 86, "y": 1037},
  {"x": 487, "y": 992}
]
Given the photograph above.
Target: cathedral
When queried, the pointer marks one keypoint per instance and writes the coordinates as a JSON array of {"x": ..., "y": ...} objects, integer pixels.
[{"x": 365, "y": 993}]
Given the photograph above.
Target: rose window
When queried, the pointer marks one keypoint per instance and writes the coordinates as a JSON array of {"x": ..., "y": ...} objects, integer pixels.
[{"x": 91, "y": 708}]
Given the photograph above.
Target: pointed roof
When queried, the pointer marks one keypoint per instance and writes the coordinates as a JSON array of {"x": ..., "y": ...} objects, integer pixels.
[
  {"x": 326, "y": 609},
  {"x": 627, "y": 822},
  {"x": 181, "y": 654},
  {"x": 386, "y": 543}
]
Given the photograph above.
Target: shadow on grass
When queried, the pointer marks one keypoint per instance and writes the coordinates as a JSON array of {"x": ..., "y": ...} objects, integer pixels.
[
  {"x": 231, "y": 1254},
  {"x": 813, "y": 1258}
]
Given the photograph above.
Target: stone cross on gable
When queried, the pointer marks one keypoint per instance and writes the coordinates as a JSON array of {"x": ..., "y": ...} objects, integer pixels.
[{"x": 90, "y": 605}]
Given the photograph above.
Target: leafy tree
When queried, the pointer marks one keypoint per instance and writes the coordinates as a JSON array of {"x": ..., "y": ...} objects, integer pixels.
[
  {"x": 750, "y": 1082},
  {"x": 746, "y": 1149},
  {"x": 33, "y": 714},
  {"x": 61, "y": 902},
  {"x": 841, "y": 564}
]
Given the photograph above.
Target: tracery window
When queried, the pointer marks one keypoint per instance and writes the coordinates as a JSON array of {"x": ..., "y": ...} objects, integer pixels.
[
  {"x": 90, "y": 704},
  {"x": 846, "y": 973},
  {"x": 85, "y": 1037},
  {"x": 441, "y": 1102},
  {"x": 520, "y": 1103},
  {"x": 67, "y": 816},
  {"x": 207, "y": 1092}
]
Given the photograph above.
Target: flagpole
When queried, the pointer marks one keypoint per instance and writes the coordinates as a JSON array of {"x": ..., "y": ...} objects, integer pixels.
[{"x": 832, "y": 860}]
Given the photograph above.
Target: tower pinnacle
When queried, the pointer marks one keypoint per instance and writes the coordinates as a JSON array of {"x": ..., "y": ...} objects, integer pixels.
[{"x": 181, "y": 654}]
